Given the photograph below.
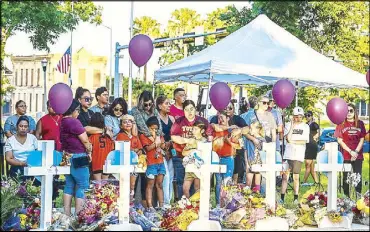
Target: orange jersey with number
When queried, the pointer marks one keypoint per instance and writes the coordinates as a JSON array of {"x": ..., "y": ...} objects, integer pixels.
[{"x": 101, "y": 146}]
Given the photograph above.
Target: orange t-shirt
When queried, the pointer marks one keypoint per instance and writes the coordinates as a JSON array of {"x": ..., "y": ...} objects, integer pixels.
[
  {"x": 101, "y": 146},
  {"x": 134, "y": 141},
  {"x": 150, "y": 155},
  {"x": 226, "y": 150}
]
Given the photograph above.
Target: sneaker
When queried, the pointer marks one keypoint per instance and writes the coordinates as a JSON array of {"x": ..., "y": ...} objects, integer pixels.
[
  {"x": 296, "y": 202},
  {"x": 166, "y": 206},
  {"x": 281, "y": 202},
  {"x": 305, "y": 184}
]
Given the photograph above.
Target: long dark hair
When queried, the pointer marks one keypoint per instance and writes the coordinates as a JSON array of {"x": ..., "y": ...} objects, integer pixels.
[
  {"x": 201, "y": 125},
  {"x": 187, "y": 102},
  {"x": 160, "y": 100},
  {"x": 23, "y": 118},
  {"x": 144, "y": 97},
  {"x": 117, "y": 101},
  {"x": 97, "y": 120},
  {"x": 355, "y": 114}
]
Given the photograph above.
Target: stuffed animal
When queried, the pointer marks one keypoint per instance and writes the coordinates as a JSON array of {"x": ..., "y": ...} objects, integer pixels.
[{"x": 141, "y": 163}]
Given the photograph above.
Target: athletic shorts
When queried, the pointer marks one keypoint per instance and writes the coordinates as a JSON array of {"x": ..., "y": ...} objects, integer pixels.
[{"x": 295, "y": 166}]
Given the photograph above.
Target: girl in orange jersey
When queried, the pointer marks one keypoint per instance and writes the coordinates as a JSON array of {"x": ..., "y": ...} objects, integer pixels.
[{"x": 101, "y": 146}]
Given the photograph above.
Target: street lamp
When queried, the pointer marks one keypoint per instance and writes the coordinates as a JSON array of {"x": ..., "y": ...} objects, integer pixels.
[
  {"x": 44, "y": 63},
  {"x": 110, "y": 60}
]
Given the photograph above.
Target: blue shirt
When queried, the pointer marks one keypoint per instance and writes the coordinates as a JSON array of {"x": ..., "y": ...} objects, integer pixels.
[
  {"x": 112, "y": 122},
  {"x": 11, "y": 124},
  {"x": 249, "y": 117},
  {"x": 96, "y": 108}
]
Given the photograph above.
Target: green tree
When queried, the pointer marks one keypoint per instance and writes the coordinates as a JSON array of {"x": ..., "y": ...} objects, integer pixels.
[
  {"x": 147, "y": 26},
  {"x": 43, "y": 21},
  {"x": 182, "y": 21}
]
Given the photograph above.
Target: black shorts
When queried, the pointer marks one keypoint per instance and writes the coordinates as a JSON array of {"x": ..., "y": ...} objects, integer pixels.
[
  {"x": 295, "y": 166},
  {"x": 311, "y": 151},
  {"x": 239, "y": 163}
]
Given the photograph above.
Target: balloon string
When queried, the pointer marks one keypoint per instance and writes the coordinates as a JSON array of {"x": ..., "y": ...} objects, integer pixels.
[{"x": 138, "y": 73}]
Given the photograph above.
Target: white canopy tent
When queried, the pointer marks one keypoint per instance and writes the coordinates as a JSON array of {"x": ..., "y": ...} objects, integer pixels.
[{"x": 261, "y": 53}]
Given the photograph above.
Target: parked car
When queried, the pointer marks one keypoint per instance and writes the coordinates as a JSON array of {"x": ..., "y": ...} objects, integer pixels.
[{"x": 327, "y": 136}]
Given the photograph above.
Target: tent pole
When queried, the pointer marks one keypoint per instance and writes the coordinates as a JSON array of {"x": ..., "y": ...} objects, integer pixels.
[
  {"x": 207, "y": 101},
  {"x": 240, "y": 98},
  {"x": 296, "y": 93},
  {"x": 153, "y": 90}
]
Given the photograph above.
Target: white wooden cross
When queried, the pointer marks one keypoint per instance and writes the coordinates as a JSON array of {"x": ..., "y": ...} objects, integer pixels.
[
  {"x": 203, "y": 223},
  {"x": 47, "y": 171},
  {"x": 270, "y": 168},
  {"x": 124, "y": 170},
  {"x": 332, "y": 167}
]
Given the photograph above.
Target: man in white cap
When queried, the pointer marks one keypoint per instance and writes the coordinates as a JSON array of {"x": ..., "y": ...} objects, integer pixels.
[{"x": 297, "y": 135}]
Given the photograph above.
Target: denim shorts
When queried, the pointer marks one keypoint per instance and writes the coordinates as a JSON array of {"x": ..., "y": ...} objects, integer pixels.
[
  {"x": 78, "y": 181},
  {"x": 154, "y": 170}
]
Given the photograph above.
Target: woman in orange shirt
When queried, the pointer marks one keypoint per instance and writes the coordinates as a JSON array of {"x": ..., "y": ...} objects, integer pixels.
[{"x": 127, "y": 122}]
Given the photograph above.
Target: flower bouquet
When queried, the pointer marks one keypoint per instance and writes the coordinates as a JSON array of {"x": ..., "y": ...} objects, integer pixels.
[{"x": 361, "y": 209}]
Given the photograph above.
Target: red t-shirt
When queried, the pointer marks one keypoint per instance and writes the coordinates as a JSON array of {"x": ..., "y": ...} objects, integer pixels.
[
  {"x": 182, "y": 127},
  {"x": 150, "y": 155},
  {"x": 351, "y": 136},
  {"x": 226, "y": 150},
  {"x": 50, "y": 125},
  {"x": 134, "y": 141},
  {"x": 176, "y": 112}
]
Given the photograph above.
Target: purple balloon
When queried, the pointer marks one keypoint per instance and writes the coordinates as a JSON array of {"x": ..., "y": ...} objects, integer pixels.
[
  {"x": 283, "y": 93},
  {"x": 337, "y": 110},
  {"x": 220, "y": 95},
  {"x": 140, "y": 49},
  {"x": 60, "y": 98}
]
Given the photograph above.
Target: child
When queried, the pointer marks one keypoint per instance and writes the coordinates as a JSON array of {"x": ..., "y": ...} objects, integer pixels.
[
  {"x": 154, "y": 157},
  {"x": 101, "y": 146},
  {"x": 126, "y": 124},
  {"x": 253, "y": 153},
  {"x": 198, "y": 131}
]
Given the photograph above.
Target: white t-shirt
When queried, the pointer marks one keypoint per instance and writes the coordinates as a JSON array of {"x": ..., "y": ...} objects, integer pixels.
[
  {"x": 19, "y": 150},
  {"x": 301, "y": 132}
]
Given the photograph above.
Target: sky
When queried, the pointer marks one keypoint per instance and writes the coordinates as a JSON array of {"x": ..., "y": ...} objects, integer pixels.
[{"x": 116, "y": 15}]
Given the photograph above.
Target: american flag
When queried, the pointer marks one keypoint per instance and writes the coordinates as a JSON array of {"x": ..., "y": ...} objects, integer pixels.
[{"x": 65, "y": 62}]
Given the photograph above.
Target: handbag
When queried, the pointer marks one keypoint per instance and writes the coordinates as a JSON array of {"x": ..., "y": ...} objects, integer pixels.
[{"x": 80, "y": 162}]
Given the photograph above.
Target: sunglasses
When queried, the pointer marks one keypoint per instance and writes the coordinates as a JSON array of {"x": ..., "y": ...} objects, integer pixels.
[
  {"x": 264, "y": 103},
  {"x": 229, "y": 108},
  {"x": 308, "y": 115},
  {"x": 148, "y": 104},
  {"x": 88, "y": 99},
  {"x": 118, "y": 110},
  {"x": 351, "y": 111}
]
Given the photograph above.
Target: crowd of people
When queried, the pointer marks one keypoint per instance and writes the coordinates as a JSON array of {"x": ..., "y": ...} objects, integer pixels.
[{"x": 167, "y": 135}]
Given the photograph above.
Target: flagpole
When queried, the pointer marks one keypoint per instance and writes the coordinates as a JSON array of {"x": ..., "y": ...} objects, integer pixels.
[{"x": 70, "y": 70}]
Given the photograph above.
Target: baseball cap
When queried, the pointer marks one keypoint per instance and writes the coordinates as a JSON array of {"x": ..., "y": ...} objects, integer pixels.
[{"x": 298, "y": 111}]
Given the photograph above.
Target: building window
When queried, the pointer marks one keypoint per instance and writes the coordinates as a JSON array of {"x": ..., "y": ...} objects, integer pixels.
[
  {"x": 26, "y": 77},
  {"x": 362, "y": 108},
  {"x": 30, "y": 102},
  {"x": 82, "y": 77},
  {"x": 21, "y": 77},
  {"x": 38, "y": 77},
  {"x": 32, "y": 77},
  {"x": 97, "y": 76},
  {"x": 16, "y": 78},
  {"x": 37, "y": 102}
]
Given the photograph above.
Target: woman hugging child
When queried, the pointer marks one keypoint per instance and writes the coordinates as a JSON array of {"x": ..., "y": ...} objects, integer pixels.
[
  {"x": 154, "y": 157},
  {"x": 191, "y": 154},
  {"x": 126, "y": 134}
]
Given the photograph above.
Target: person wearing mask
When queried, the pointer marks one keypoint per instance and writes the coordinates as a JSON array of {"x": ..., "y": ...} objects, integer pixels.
[
  {"x": 239, "y": 161},
  {"x": 311, "y": 149},
  {"x": 176, "y": 109},
  {"x": 10, "y": 126},
  {"x": 278, "y": 119},
  {"x": 163, "y": 107},
  {"x": 75, "y": 144},
  {"x": 102, "y": 97},
  {"x": 267, "y": 121},
  {"x": 181, "y": 134},
  {"x": 154, "y": 157},
  {"x": 350, "y": 135},
  {"x": 18, "y": 146},
  {"x": 115, "y": 111},
  {"x": 48, "y": 127},
  {"x": 297, "y": 136},
  {"x": 101, "y": 146}
]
